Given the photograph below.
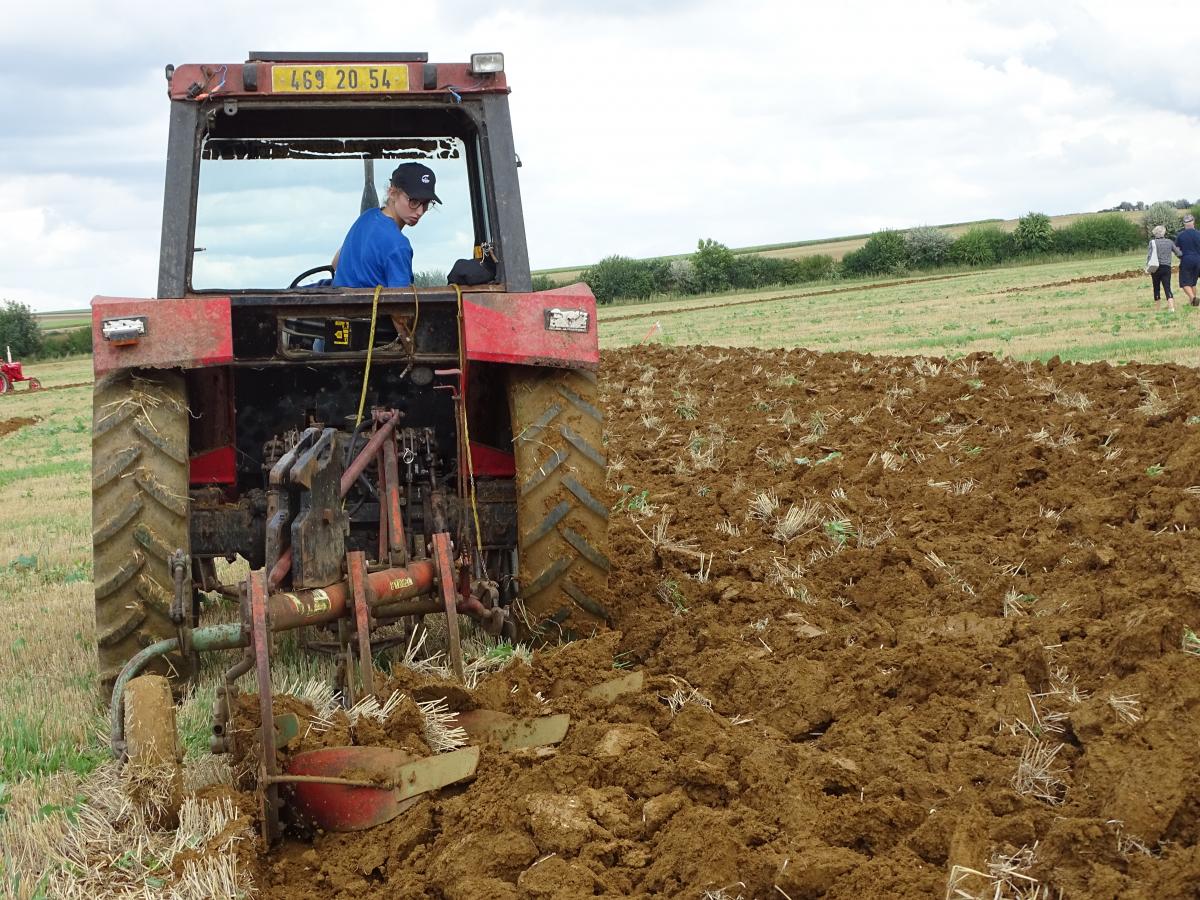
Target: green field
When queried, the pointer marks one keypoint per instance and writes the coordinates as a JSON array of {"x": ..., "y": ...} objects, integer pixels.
[
  {"x": 62, "y": 320},
  {"x": 1028, "y": 313},
  {"x": 51, "y": 728}
]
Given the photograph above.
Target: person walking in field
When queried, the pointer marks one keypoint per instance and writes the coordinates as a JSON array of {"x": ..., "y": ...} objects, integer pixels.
[
  {"x": 1189, "y": 263},
  {"x": 1165, "y": 249}
]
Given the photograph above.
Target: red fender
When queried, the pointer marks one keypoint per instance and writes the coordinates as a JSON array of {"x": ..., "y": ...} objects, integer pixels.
[
  {"x": 183, "y": 334},
  {"x": 554, "y": 328}
]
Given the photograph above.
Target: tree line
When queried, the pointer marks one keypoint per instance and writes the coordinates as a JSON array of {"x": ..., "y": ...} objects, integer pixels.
[
  {"x": 19, "y": 332},
  {"x": 714, "y": 267}
]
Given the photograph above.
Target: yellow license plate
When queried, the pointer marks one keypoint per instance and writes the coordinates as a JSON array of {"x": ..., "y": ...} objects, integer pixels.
[{"x": 338, "y": 79}]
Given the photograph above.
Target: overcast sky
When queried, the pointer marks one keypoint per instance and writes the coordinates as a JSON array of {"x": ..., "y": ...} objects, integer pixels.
[{"x": 642, "y": 126}]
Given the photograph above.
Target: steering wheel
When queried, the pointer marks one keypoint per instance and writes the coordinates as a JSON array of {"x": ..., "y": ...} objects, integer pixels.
[{"x": 299, "y": 278}]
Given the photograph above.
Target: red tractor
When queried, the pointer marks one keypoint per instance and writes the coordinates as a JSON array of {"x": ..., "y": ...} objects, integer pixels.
[
  {"x": 11, "y": 374},
  {"x": 375, "y": 455}
]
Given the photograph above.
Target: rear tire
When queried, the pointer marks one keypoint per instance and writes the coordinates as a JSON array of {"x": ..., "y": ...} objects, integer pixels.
[
  {"x": 562, "y": 513},
  {"x": 139, "y": 516}
]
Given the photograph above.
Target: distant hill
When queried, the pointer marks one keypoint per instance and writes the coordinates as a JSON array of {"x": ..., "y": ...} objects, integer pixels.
[
  {"x": 837, "y": 247},
  {"x": 63, "y": 319}
]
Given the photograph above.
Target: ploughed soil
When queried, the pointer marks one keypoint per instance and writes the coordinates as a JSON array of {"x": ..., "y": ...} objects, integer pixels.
[
  {"x": 914, "y": 616},
  {"x": 8, "y": 426}
]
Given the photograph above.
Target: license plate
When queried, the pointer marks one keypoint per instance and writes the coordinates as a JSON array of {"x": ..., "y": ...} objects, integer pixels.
[{"x": 338, "y": 79}]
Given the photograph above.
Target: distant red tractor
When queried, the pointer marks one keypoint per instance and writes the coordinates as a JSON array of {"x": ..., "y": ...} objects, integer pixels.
[{"x": 10, "y": 374}]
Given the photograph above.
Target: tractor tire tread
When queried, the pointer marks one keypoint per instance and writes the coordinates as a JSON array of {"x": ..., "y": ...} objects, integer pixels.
[
  {"x": 109, "y": 528},
  {"x": 140, "y": 509},
  {"x": 562, "y": 521},
  {"x": 120, "y": 629},
  {"x": 116, "y": 467}
]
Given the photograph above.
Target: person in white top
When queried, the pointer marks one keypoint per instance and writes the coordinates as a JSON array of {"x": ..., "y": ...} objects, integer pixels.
[{"x": 1160, "y": 278}]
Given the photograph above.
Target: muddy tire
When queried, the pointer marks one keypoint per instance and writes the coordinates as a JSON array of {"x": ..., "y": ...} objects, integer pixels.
[
  {"x": 562, "y": 509},
  {"x": 153, "y": 762},
  {"x": 139, "y": 516}
]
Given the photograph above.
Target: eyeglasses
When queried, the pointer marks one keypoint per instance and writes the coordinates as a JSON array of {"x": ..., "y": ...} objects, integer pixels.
[{"x": 414, "y": 205}]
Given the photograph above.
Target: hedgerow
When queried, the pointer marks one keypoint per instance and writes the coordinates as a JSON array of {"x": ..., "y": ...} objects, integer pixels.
[{"x": 714, "y": 267}]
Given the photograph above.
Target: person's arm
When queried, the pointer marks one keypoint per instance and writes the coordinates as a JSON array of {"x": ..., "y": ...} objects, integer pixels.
[
  {"x": 1175, "y": 249},
  {"x": 337, "y": 254},
  {"x": 397, "y": 268}
]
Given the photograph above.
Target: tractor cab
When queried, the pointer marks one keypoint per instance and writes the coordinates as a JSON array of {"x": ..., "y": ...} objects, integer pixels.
[{"x": 263, "y": 185}]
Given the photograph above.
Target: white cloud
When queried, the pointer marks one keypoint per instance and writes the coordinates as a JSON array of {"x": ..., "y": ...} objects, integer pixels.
[{"x": 642, "y": 127}]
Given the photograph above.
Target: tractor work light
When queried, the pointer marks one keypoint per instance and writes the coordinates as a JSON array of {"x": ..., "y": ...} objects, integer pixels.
[
  {"x": 487, "y": 63},
  {"x": 123, "y": 332}
]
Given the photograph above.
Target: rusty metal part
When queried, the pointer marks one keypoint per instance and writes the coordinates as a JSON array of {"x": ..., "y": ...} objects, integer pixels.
[
  {"x": 219, "y": 529},
  {"x": 221, "y": 740},
  {"x": 280, "y": 511},
  {"x": 179, "y": 566},
  {"x": 283, "y": 563},
  {"x": 356, "y": 566},
  {"x": 319, "y": 795},
  {"x": 320, "y": 527},
  {"x": 344, "y": 679},
  {"x": 391, "y": 520},
  {"x": 261, "y": 641},
  {"x": 387, "y": 425},
  {"x": 443, "y": 556},
  {"x": 204, "y": 575},
  {"x": 295, "y": 609},
  {"x": 378, "y": 645}
]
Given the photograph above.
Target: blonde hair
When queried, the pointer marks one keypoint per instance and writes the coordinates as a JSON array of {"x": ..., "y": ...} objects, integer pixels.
[{"x": 1159, "y": 231}]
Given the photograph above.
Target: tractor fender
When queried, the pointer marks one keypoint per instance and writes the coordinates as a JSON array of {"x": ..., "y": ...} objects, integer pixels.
[
  {"x": 186, "y": 333},
  {"x": 555, "y": 328}
]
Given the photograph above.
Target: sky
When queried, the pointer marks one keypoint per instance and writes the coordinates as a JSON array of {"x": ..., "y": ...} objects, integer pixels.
[{"x": 642, "y": 127}]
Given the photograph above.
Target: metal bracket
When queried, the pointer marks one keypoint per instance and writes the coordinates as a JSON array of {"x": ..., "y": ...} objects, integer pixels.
[
  {"x": 356, "y": 567},
  {"x": 261, "y": 641},
  {"x": 443, "y": 557},
  {"x": 319, "y": 529}
]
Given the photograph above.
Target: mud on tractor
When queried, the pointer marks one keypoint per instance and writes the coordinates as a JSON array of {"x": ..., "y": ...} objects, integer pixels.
[{"x": 376, "y": 456}]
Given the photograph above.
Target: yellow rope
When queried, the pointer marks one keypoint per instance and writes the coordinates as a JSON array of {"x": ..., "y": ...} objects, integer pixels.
[
  {"x": 466, "y": 427},
  {"x": 362, "y": 399}
]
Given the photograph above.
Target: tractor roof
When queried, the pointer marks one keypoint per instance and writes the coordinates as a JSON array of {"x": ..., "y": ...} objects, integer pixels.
[{"x": 322, "y": 75}]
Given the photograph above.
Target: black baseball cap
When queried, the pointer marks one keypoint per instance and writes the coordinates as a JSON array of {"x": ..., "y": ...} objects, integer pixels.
[{"x": 416, "y": 180}]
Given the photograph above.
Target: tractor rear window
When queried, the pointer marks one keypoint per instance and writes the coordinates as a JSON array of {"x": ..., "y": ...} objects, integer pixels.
[{"x": 267, "y": 211}]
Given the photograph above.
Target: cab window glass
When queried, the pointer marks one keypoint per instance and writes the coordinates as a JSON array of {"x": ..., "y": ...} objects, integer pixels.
[{"x": 260, "y": 222}]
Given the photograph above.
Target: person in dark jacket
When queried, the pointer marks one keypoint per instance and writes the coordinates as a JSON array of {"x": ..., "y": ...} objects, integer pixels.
[
  {"x": 1160, "y": 278},
  {"x": 1189, "y": 263}
]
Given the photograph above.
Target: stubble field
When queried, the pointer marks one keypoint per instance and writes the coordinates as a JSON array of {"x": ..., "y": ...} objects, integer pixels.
[
  {"x": 1080, "y": 310},
  {"x": 909, "y": 628}
]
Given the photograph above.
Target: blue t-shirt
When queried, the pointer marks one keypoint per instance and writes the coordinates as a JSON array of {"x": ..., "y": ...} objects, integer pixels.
[
  {"x": 1189, "y": 242},
  {"x": 375, "y": 251}
]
